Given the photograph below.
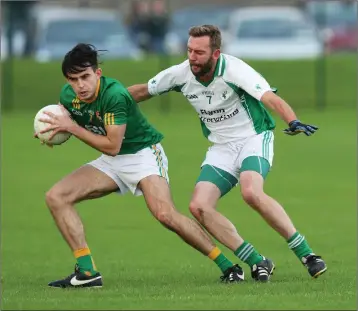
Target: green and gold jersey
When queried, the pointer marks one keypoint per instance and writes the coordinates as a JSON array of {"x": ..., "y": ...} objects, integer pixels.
[{"x": 113, "y": 106}]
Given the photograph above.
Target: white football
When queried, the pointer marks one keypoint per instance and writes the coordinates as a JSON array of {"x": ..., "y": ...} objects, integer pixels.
[{"x": 39, "y": 126}]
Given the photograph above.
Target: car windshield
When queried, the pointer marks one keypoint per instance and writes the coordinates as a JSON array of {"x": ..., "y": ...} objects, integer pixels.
[
  {"x": 82, "y": 30},
  {"x": 272, "y": 28}
]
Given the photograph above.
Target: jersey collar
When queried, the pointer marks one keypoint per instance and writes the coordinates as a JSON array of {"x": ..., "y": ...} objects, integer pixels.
[
  {"x": 219, "y": 70},
  {"x": 220, "y": 66}
]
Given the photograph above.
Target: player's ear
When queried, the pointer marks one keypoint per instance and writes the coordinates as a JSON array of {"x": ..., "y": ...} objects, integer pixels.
[
  {"x": 99, "y": 72},
  {"x": 216, "y": 54}
]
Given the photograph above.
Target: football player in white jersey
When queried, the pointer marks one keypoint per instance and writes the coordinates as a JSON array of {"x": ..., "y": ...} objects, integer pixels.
[{"x": 231, "y": 99}]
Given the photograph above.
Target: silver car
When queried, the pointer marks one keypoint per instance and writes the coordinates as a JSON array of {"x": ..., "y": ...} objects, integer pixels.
[
  {"x": 58, "y": 32},
  {"x": 273, "y": 33}
]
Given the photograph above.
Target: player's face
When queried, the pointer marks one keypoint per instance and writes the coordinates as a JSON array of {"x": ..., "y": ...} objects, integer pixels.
[
  {"x": 85, "y": 83},
  {"x": 201, "y": 57}
]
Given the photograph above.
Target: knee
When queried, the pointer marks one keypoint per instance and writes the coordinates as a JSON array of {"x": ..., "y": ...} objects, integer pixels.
[
  {"x": 54, "y": 198},
  {"x": 252, "y": 196},
  {"x": 165, "y": 217},
  {"x": 197, "y": 209}
]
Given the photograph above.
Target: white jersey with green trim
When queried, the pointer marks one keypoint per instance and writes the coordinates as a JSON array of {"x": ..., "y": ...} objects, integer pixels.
[{"x": 229, "y": 106}]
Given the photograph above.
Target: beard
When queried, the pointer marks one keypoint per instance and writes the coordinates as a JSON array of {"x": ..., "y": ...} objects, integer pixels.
[{"x": 204, "y": 68}]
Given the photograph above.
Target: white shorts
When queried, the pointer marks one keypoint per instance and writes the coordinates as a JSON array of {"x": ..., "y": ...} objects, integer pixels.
[
  {"x": 230, "y": 156},
  {"x": 128, "y": 170}
]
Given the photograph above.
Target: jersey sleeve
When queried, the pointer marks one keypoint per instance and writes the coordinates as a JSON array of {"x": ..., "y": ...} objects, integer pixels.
[
  {"x": 166, "y": 80},
  {"x": 250, "y": 80},
  {"x": 67, "y": 96},
  {"x": 115, "y": 110}
]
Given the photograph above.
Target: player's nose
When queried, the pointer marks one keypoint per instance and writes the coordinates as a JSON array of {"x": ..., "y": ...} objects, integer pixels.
[{"x": 191, "y": 57}]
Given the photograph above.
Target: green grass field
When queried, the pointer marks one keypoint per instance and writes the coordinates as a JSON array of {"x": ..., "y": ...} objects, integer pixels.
[{"x": 146, "y": 267}]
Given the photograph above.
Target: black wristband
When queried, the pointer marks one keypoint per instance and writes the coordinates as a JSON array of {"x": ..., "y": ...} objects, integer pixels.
[{"x": 289, "y": 124}]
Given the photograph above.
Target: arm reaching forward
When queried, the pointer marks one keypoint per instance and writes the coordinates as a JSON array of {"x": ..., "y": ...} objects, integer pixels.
[
  {"x": 284, "y": 110},
  {"x": 254, "y": 84},
  {"x": 139, "y": 92},
  {"x": 165, "y": 81}
]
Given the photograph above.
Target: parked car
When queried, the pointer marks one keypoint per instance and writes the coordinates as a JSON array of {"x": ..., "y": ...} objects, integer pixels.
[
  {"x": 60, "y": 29},
  {"x": 338, "y": 22},
  {"x": 273, "y": 33},
  {"x": 182, "y": 19}
]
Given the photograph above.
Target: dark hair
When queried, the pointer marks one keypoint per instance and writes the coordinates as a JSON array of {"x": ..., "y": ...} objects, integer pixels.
[
  {"x": 81, "y": 57},
  {"x": 211, "y": 31}
]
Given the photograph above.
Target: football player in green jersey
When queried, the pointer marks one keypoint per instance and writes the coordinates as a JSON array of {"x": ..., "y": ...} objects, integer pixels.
[{"x": 133, "y": 160}]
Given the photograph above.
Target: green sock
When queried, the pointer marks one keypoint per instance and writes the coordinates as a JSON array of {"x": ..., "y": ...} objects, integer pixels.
[
  {"x": 299, "y": 245},
  {"x": 223, "y": 263},
  {"x": 85, "y": 261},
  {"x": 248, "y": 254},
  {"x": 220, "y": 259}
]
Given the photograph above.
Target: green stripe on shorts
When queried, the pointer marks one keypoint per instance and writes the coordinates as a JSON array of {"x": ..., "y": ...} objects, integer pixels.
[
  {"x": 266, "y": 144},
  {"x": 222, "y": 179}
]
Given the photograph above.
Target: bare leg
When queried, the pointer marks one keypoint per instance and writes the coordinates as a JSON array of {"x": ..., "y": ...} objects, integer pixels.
[
  {"x": 203, "y": 207},
  {"x": 85, "y": 183},
  {"x": 277, "y": 218},
  {"x": 252, "y": 191},
  {"x": 159, "y": 201}
]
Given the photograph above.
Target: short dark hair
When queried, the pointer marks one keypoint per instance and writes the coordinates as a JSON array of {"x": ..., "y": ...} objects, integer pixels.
[
  {"x": 211, "y": 31},
  {"x": 78, "y": 59}
]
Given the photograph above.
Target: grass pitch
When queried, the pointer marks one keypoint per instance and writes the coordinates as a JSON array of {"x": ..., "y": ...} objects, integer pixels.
[{"x": 146, "y": 267}]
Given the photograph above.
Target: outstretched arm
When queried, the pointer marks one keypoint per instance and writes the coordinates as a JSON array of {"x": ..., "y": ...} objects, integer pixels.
[
  {"x": 163, "y": 82},
  {"x": 254, "y": 84},
  {"x": 139, "y": 92},
  {"x": 277, "y": 104}
]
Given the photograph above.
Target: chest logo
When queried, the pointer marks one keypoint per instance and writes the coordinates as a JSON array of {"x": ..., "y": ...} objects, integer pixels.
[
  {"x": 98, "y": 116},
  {"x": 191, "y": 96},
  {"x": 91, "y": 114}
]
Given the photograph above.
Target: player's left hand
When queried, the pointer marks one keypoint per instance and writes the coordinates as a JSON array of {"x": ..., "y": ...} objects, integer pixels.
[
  {"x": 296, "y": 127},
  {"x": 58, "y": 123},
  {"x": 42, "y": 142}
]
